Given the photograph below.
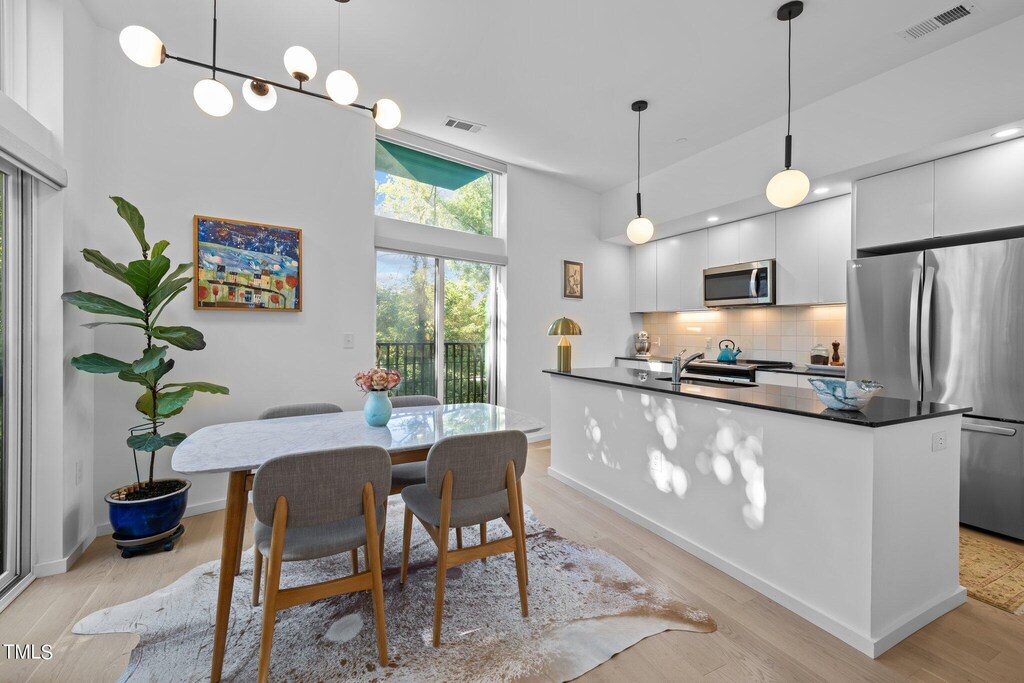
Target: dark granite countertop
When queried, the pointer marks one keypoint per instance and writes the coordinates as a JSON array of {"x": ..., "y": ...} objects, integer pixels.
[
  {"x": 882, "y": 411},
  {"x": 795, "y": 370}
]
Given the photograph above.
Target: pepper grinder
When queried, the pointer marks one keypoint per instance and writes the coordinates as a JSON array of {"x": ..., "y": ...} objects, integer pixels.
[{"x": 836, "y": 360}]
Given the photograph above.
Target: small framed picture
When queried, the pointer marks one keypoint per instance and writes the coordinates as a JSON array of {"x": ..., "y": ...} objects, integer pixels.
[{"x": 572, "y": 280}]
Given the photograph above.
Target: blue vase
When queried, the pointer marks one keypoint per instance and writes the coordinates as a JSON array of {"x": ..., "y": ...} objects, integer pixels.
[{"x": 377, "y": 408}]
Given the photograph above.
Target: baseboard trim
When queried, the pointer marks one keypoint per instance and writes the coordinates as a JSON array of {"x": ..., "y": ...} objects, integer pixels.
[
  {"x": 190, "y": 511},
  {"x": 872, "y": 646},
  {"x": 61, "y": 565}
]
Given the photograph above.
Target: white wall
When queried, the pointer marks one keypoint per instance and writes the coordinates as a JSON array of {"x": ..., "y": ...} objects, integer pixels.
[
  {"x": 551, "y": 221},
  {"x": 305, "y": 164}
]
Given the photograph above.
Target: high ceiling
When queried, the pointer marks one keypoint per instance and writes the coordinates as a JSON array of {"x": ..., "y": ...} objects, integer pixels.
[{"x": 552, "y": 80}]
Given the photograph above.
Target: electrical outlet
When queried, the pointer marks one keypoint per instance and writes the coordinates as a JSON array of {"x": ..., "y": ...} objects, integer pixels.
[
  {"x": 939, "y": 441},
  {"x": 348, "y": 340},
  {"x": 78, "y": 473}
]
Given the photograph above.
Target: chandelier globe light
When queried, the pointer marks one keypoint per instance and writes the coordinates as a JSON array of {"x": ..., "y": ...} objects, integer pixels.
[{"x": 143, "y": 47}]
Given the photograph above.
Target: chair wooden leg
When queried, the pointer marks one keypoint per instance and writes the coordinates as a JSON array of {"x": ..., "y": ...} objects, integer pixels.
[
  {"x": 355, "y": 560},
  {"x": 257, "y": 575},
  {"x": 406, "y": 537},
  {"x": 273, "y": 583},
  {"x": 517, "y": 532},
  {"x": 483, "y": 536},
  {"x": 442, "y": 555},
  {"x": 458, "y": 537},
  {"x": 522, "y": 526},
  {"x": 373, "y": 555},
  {"x": 381, "y": 545}
]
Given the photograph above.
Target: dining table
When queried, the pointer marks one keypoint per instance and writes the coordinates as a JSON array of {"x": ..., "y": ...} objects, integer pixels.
[{"x": 240, "y": 448}]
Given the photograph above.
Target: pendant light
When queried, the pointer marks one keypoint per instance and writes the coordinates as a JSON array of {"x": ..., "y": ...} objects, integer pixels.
[
  {"x": 145, "y": 48},
  {"x": 788, "y": 187},
  {"x": 212, "y": 96},
  {"x": 640, "y": 229}
]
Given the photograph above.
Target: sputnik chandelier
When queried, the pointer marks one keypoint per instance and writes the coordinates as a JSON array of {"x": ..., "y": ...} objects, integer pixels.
[{"x": 145, "y": 48}]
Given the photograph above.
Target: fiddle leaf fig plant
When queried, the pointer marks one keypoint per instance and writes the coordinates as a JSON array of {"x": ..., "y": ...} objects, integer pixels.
[{"x": 154, "y": 285}]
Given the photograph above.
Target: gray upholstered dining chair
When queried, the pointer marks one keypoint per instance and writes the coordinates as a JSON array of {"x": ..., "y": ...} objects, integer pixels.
[
  {"x": 471, "y": 479},
  {"x": 299, "y": 410},
  {"x": 307, "y": 507},
  {"x": 409, "y": 473}
]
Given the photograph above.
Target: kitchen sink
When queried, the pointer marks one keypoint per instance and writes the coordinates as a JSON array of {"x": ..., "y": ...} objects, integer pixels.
[{"x": 710, "y": 383}]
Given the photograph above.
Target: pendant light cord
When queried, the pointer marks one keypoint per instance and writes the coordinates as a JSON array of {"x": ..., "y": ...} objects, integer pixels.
[
  {"x": 214, "y": 65},
  {"x": 789, "y": 77},
  {"x": 339, "y": 33},
  {"x": 638, "y": 152}
]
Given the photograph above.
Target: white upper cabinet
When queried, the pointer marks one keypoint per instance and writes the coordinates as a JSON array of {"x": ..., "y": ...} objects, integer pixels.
[
  {"x": 756, "y": 238},
  {"x": 645, "y": 277},
  {"x": 724, "y": 245},
  {"x": 669, "y": 273},
  {"x": 980, "y": 190},
  {"x": 895, "y": 207},
  {"x": 812, "y": 245},
  {"x": 834, "y": 248},
  {"x": 693, "y": 261}
]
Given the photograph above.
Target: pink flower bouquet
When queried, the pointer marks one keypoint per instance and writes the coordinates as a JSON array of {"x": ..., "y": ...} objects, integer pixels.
[{"x": 378, "y": 379}]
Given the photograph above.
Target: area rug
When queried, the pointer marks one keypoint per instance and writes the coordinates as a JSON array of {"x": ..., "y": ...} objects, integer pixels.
[
  {"x": 992, "y": 572},
  {"x": 585, "y": 606}
]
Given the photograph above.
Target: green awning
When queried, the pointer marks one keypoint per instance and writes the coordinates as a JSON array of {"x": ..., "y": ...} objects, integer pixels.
[{"x": 424, "y": 168}]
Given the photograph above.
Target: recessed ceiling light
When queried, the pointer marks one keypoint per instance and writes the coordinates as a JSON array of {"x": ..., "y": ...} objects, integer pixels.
[
  {"x": 820, "y": 190},
  {"x": 712, "y": 219},
  {"x": 681, "y": 140},
  {"x": 1006, "y": 133}
]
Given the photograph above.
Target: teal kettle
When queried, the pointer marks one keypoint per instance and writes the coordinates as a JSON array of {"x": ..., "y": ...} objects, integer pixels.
[{"x": 728, "y": 354}]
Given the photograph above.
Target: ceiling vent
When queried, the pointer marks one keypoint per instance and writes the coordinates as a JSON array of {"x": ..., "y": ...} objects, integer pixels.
[
  {"x": 940, "y": 20},
  {"x": 459, "y": 124}
]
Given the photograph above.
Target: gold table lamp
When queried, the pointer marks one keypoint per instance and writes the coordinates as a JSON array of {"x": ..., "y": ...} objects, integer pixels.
[{"x": 564, "y": 327}]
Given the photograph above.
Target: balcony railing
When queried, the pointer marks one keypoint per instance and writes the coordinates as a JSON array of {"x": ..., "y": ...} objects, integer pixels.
[{"x": 465, "y": 369}]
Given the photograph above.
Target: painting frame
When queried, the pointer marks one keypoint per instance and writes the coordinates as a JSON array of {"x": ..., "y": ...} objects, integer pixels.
[
  {"x": 197, "y": 266},
  {"x": 572, "y": 280}
]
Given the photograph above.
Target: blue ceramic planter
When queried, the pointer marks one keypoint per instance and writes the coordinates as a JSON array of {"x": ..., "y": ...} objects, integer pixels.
[
  {"x": 377, "y": 408},
  {"x": 150, "y": 517}
]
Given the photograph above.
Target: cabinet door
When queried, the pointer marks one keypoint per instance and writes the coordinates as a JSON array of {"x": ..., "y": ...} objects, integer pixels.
[
  {"x": 796, "y": 244},
  {"x": 645, "y": 277},
  {"x": 835, "y": 245},
  {"x": 724, "y": 245},
  {"x": 756, "y": 238},
  {"x": 980, "y": 190},
  {"x": 895, "y": 207},
  {"x": 693, "y": 261},
  {"x": 669, "y": 272}
]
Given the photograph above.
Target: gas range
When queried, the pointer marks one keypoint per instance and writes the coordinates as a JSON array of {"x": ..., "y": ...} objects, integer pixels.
[{"x": 740, "y": 371}]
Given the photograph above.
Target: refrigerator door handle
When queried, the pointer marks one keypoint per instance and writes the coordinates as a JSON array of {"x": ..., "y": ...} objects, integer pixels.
[
  {"x": 926, "y": 327},
  {"x": 988, "y": 429},
  {"x": 915, "y": 298}
]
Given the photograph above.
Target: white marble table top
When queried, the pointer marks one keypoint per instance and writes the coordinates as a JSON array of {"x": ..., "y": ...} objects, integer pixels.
[{"x": 247, "y": 445}]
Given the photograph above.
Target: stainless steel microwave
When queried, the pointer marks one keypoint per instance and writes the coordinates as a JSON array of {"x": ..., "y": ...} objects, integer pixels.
[{"x": 743, "y": 284}]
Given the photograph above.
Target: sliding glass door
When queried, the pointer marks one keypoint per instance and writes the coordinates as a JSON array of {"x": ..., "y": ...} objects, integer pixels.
[
  {"x": 435, "y": 325},
  {"x": 13, "y": 472}
]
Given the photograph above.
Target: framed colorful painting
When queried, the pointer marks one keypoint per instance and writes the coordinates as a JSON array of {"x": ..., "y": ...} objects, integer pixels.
[{"x": 247, "y": 266}]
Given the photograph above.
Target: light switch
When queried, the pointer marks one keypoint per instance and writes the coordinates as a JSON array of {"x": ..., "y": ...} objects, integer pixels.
[{"x": 348, "y": 340}]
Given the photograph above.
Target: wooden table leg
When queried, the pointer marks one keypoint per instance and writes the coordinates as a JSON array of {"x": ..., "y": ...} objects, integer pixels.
[{"x": 234, "y": 522}]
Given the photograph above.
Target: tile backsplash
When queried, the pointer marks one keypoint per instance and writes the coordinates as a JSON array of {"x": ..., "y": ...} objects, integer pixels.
[{"x": 784, "y": 333}]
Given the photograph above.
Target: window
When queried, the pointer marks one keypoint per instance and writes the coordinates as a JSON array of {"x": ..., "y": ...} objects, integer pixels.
[
  {"x": 418, "y": 187},
  {"x": 435, "y": 325},
  {"x": 13, "y": 464}
]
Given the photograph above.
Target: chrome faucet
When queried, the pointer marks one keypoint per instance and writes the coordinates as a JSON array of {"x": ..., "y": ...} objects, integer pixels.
[{"x": 680, "y": 364}]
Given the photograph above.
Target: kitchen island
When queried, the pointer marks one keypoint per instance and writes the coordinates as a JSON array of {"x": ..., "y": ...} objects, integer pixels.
[{"x": 849, "y": 519}]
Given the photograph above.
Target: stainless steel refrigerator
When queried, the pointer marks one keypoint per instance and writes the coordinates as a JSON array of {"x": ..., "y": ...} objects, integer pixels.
[{"x": 944, "y": 325}]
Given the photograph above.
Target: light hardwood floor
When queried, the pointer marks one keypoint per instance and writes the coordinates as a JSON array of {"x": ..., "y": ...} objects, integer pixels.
[{"x": 756, "y": 638}]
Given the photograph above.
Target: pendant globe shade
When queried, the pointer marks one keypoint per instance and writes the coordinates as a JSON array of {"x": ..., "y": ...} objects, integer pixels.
[
  {"x": 142, "y": 46},
  {"x": 259, "y": 95},
  {"x": 640, "y": 230},
  {"x": 342, "y": 87},
  {"x": 300, "y": 63},
  {"x": 387, "y": 114},
  {"x": 213, "y": 97},
  {"x": 788, "y": 188}
]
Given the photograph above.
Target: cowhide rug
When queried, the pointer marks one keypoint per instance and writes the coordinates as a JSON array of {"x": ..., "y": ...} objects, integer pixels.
[{"x": 585, "y": 606}]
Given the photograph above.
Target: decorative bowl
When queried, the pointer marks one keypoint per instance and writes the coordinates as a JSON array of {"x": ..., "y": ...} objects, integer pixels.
[{"x": 841, "y": 394}]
